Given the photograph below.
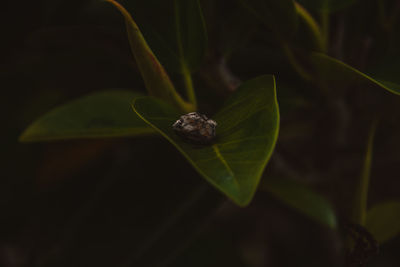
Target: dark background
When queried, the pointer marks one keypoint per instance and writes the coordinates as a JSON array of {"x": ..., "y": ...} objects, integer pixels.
[{"x": 136, "y": 202}]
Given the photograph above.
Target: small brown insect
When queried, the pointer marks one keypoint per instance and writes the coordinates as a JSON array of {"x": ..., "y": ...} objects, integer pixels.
[{"x": 196, "y": 128}]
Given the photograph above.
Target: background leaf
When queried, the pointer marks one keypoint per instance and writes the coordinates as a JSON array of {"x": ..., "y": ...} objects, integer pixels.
[
  {"x": 246, "y": 135},
  {"x": 310, "y": 28},
  {"x": 302, "y": 199},
  {"x": 326, "y": 5},
  {"x": 388, "y": 69},
  {"x": 383, "y": 220},
  {"x": 154, "y": 75},
  {"x": 104, "y": 114},
  {"x": 191, "y": 33},
  {"x": 335, "y": 73},
  {"x": 174, "y": 29}
]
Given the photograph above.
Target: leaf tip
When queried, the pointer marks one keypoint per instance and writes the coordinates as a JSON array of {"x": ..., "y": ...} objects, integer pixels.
[
  {"x": 22, "y": 138},
  {"x": 26, "y": 136}
]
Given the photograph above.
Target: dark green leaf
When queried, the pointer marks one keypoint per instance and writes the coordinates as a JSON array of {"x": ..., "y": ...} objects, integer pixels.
[
  {"x": 391, "y": 86},
  {"x": 191, "y": 32},
  {"x": 175, "y": 29},
  {"x": 309, "y": 28},
  {"x": 302, "y": 199},
  {"x": 326, "y": 5},
  {"x": 279, "y": 16},
  {"x": 154, "y": 75},
  {"x": 383, "y": 220},
  {"x": 334, "y": 72},
  {"x": 104, "y": 114},
  {"x": 246, "y": 135},
  {"x": 388, "y": 70}
]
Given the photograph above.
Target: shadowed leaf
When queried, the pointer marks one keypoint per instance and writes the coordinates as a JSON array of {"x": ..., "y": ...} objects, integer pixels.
[
  {"x": 334, "y": 72},
  {"x": 388, "y": 71},
  {"x": 302, "y": 199},
  {"x": 104, "y": 114},
  {"x": 383, "y": 220},
  {"x": 154, "y": 75},
  {"x": 246, "y": 135},
  {"x": 174, "y": 29},
  {"x": 191, "y": 33}
]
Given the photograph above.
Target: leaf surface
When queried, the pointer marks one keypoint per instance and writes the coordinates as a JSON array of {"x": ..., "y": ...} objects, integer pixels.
[
  {"x": 302, "y": 199},
  {"x": 334, "y": 72},
  {"x": 247, "y": 131},
  {"x": 103, "y": 114},
  {"x": 383, "y": 220}
]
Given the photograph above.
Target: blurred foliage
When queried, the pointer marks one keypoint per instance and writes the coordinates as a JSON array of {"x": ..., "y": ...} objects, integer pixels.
[{"x": 89, "y": 117}]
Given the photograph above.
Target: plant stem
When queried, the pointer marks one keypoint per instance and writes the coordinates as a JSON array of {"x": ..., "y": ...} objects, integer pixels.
[
  {"x": 295, "y": 64},
  {"x": 312, "y": 25},
  {"x": 361, "y": 199},
  {"x": 188, "y": 81}
]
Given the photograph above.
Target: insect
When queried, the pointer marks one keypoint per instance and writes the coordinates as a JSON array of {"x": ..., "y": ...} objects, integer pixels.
[{"x": 196, "y": 128}]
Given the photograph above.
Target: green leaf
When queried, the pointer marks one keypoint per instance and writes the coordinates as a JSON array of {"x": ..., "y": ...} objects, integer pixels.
[
  {"x": 177, "y": 32},
  {"x": 302, "y": 199},
  {"x": 388, "y": 69},
  {"x": 104, "y": 114},
  {"x": 191, "y": 33},
  {"x": 191, "y": 40},
  {"x": 383, "y": 220},
  {"x": 279, "y": 16},
  {"x": 175, "y": 29},
  {"x": 313, "y": 28},
  {"x": 154, "y": 75},
  {"x": 247, "y": 131},
  {"x": 335, "y": 73},
  {"x": 326, "y": 5}
]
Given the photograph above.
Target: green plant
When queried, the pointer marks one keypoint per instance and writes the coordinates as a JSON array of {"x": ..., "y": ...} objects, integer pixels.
[{"x": 305, "y": 54}]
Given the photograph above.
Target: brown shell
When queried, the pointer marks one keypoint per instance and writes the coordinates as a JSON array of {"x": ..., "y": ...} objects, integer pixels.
[{"x": 196, "y": 128}]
